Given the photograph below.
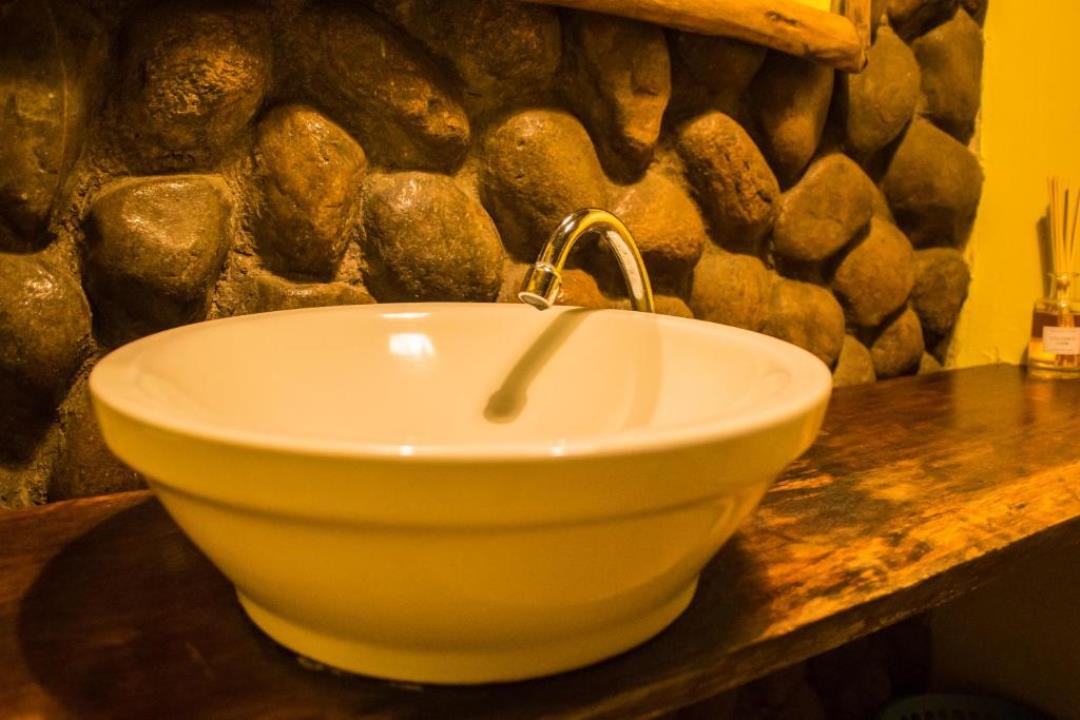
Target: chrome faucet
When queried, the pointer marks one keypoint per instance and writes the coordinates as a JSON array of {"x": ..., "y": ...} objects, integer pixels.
[{"x": 541, "y": 285}]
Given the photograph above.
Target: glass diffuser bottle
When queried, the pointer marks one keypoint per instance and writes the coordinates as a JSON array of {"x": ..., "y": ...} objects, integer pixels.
[{"x": 1054, "y": 349}]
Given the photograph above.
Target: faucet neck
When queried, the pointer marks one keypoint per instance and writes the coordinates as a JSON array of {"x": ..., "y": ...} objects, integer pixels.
[{"x": 542, "y": 281}]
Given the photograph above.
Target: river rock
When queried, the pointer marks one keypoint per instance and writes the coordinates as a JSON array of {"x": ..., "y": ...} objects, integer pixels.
[
  {"x": 731, "y": 288},
  {"x": 310, "y": 173},
  {"x": 724, "y": 66},
  {"x": 881, "y": 206},
  {"x": 933, "y": 185},
  {"x": 537, "y": 167},
  {"x": 806, "y": 315},
  {"x": 394, "y": 98},
  {"x": 878, "y": 15},
  {"x": 730, "y": 177},
  {"x": 877, "y": 274},
  {"x": 854, "y": 366},
  {"x": 941, "y": 286},
  {"x": 951, "y": 57},
  {"x": 194, "y": 75},
  {"x": 52, "y": 58},
  {"x": 24, "y": 482},
  {"x": 929, "y": 364},
  {"x": 501, "y": 50},
  {"x": 44, "y": 324},
  {"x": 672, "y": 305},
  {"x": 899, "y": 347},
  {"x": 823, "y": 211},
  {"x": 791, "y": 102},
  {"x": 44, "y": 337},
  {"x": 620, "y": 84},
  {"x": 581, "y": 289},
  {"x": 914, "y": 17},
  {"x": 277, "y": 293},
  {"x": 155, "y": 248},
  {"x": 882, "y": 98},
  {"x": 666, "y": 226},
  {"x": 976, "y": 9},
  {"x": 86, "y": 466},
  {"x": 427, "y": 240}
]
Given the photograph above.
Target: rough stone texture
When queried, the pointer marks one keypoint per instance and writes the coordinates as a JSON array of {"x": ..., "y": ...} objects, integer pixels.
[
  {"x": 310, "y": 173},
  {"x": 278, "y": 293},
  {"x": 791, "y": 102},
  {"x": 951, "y": 57},
  {"x": 156, "y": 246},
  {"x": 666, "y": 226},
  {"x": 929, "y": 364},
  {"x": 976, "y": 9},
  {"x": 878, "y": 15},
  {"x": 427, "y": 240},
  {"x": 51, "y": 65},
  {"x": 272, "y": 101},
  {"x": 620, "y": 84},
  {"x": 733, "y": 183},
  {"x": 86, "y": 466},
  {"x": 370, "y": 78},
  {"x": 44, "y": 337},
  {"x": 899, "y": 347},
  {"x": 578, "y": 288},
  {"x": 724, "y": 66},
  {"x": 732, "y": 289},
  {"x": 880, "y": 101},
  {"x": 671, "y": 305},
  {"x": 501, "y": 50},
  {"x": 194, "y": 76},
  {"x": 875, "y": 278},
  {"x": 44, "y": 323},
  {"x": 25, "y": 482},
  {"x": 824, "y": 210},
  {"x": 941, "y": 286},
  {"x": 881, "y": 206},
  {"x": 933, "y": 185},
  {"x": 806, "y": 315},
  {"x": 538, "y": 166},
  {"x": 854, "y": 366},
  {"x": 914, "y": 17}
]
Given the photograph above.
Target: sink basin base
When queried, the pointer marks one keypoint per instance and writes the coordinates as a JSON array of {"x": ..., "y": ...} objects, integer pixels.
[{"x": 463, "y": 666}]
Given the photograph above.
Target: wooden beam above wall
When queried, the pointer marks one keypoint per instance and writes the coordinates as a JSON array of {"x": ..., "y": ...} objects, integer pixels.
[{"x": 785, "y": 25}]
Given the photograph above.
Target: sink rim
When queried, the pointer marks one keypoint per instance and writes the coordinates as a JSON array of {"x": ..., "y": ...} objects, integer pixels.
[{"x": 802, "y": 399}]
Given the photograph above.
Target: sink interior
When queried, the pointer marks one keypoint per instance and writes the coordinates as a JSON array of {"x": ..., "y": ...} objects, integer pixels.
[{"x": 457, "y": 377}]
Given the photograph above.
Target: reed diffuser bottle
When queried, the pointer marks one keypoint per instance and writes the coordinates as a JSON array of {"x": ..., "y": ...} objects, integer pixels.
[{"x": 1054, "y": 350}]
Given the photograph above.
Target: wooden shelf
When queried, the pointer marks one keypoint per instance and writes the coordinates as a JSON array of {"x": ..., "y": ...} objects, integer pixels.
[{"x": 918, "y": 490}]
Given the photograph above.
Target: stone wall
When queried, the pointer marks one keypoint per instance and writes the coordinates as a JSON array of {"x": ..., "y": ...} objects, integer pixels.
[{"x": 162, "y": 163}]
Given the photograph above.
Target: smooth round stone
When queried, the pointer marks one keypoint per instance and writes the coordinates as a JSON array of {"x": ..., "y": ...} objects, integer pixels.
[
  {"x": 538, "y": 166},
  {"x": 156, "y": 246},
  {"x": 310, "y": 173},
  {"x": 730, "y": 177},
  {"x": 427, "y": 240},
  {"x": 732, "y": 289}
]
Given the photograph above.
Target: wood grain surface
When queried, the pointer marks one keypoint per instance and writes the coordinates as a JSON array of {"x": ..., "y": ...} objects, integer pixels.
[
  {"x": 785, "y": 25},
  {"x": 918, "y": 490}
]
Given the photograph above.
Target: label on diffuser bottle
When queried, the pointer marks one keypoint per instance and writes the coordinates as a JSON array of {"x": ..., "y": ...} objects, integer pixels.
[{"x": 1061, "y": 340}]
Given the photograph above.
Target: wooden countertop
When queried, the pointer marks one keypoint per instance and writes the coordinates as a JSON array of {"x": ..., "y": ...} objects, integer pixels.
[{"x": 918, "y": 490}]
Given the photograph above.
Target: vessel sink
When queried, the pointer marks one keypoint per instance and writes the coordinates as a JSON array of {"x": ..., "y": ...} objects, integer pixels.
[{"x": 459, "y": 493}]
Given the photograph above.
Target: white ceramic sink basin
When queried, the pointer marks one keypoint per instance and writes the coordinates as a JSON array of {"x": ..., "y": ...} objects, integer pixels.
[{"x": 460, "y": 493}]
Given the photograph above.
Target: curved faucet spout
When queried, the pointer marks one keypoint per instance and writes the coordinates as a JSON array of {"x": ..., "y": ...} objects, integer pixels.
[{"x": 542, "y": 281}]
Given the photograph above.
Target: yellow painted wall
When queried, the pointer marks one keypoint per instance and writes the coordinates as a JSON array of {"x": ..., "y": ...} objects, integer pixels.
[
  {"x": 1019, "y": 637},
  {"x": 1030, "y": 127}
]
